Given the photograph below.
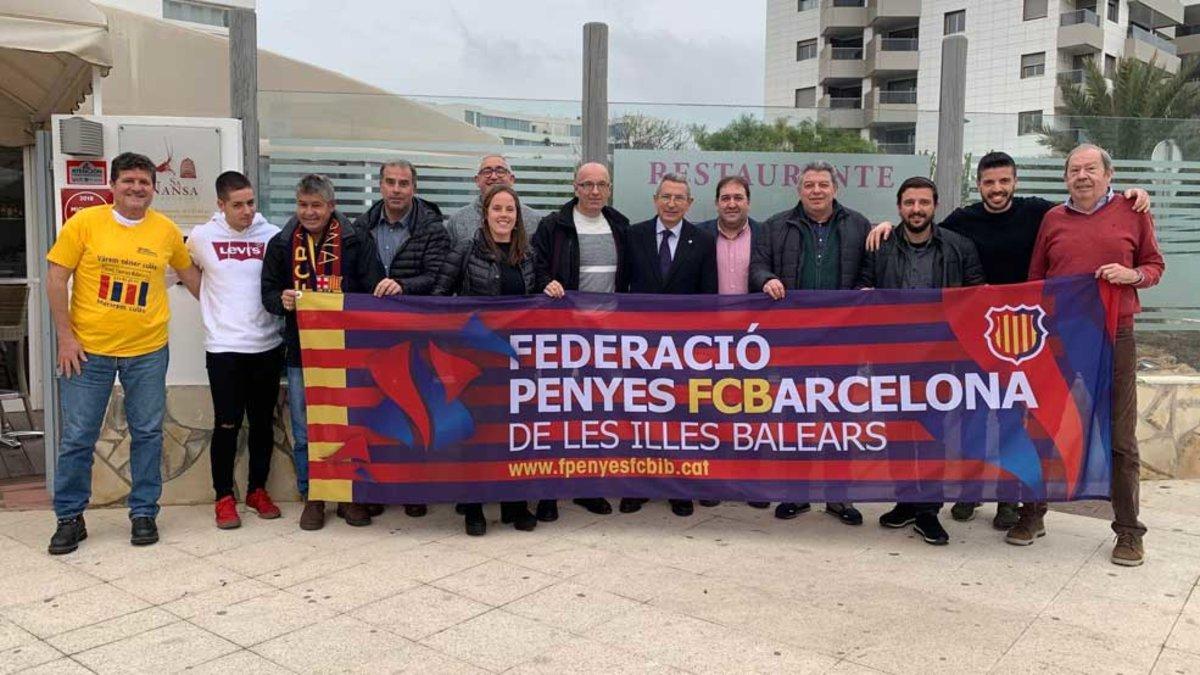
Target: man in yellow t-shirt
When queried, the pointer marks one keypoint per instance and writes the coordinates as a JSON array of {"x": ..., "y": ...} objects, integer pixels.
[{"x": 115, "y": 326}]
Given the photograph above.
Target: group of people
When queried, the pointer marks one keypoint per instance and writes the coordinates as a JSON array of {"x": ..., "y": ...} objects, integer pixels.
[{"x": 248, "y": 275}]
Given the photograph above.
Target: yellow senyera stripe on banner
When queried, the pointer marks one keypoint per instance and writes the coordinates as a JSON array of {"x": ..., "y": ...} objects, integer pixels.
[
  {"x": 319, "y": 451},
  {"x": 331, "y": 490},
  {"x": 311, "y": 300},
  {"x": 323, "y": 339},
  {"x": 325, "y": 377},
  {"x": 327, "y": 414}
]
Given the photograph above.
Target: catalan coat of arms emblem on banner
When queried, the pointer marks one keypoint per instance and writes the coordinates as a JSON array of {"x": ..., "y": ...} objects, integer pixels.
[{"x": 1016, "y": 334}]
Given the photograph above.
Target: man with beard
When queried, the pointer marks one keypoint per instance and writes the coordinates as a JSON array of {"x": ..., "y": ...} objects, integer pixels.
[
  {"x": 1003, "y": 228},
  {"x": 1097, "y": 232},
  {"x": 816, "y": 245},
  {"x": 924, "y": 256},
  {"x": 464, "y": 223}
]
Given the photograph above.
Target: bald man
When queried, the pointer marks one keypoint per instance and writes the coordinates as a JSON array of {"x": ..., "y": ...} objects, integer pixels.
[
  {"x": 580, "y": 248},
  {"x": 493, "y": 170}
]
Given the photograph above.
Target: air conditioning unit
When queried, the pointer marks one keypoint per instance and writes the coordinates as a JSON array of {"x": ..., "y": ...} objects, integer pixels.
[{"x": 81, "y": 137}]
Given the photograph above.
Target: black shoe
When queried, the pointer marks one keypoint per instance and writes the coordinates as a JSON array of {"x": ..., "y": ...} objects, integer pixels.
[
  {"x": 415, "y": 510},
  {"x": 374, "y": 510},
  {"x": 67, "y": 536},
  {"x": 898, "y": 517},
  {"x": 1006, "y": 516},
  {"x": 518, "y": 516},
  {"x": 475, "y": 523},
  {"x": 143, "y": 531},
  {"x": 759, "y": 505},
  {"x": 710, "y": 502},
  {"x": 631, "y": 504},
  {"x": 682, "y": 507},
  {"x": 460, "y": 509},
  {"x": 355, "y": 515},
  {"x": 547, "y": 510},
  {"x": 788, "y": 510},
  {"x": 596, "y": 505},
  {"x": 930, "y": 528},
  {"x": 845, "y": 512},
  {"x": 964, "y": 511}
]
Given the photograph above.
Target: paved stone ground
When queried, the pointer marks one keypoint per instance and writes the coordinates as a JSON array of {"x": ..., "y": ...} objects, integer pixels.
[{"x": 728, "y": 590}]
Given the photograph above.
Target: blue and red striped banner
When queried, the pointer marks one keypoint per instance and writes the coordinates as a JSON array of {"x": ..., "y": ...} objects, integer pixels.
[{"x": 980, "y": 394}]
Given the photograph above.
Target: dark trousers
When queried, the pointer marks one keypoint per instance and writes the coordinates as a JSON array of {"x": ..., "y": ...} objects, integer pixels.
[
  {"x": 243, "y": 385},
  {"x": 1126, "y": 466}
]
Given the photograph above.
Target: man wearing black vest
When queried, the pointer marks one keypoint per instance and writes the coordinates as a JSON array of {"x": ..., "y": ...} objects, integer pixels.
[{"x": 816, "y": 245}]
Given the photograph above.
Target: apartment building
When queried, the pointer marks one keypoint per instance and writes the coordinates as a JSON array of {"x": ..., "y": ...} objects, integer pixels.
[{"x": 875, "y": 65}]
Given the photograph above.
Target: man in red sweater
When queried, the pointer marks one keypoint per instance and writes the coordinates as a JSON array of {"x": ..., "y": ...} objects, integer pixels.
[{"x": 1097, "y": 232}]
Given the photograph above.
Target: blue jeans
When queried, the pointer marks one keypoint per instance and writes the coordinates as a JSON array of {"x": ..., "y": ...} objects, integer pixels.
[
  {"x": 299, "y": 427},
  {"x": 84, "y": 398}
]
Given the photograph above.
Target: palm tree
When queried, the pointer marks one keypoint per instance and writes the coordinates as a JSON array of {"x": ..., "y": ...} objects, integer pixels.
[{"x": 1145, "y": 105}]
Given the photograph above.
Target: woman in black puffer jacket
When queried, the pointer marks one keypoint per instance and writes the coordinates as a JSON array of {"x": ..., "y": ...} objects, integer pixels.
[{"x": 497, "y": 261}]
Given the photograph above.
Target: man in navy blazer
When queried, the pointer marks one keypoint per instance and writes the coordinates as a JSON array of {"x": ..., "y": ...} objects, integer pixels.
[{"x": 667, "y": 254}]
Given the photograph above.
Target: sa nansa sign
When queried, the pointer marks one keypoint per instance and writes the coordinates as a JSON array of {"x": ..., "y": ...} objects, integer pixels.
[{"x": 187, "y": 162}]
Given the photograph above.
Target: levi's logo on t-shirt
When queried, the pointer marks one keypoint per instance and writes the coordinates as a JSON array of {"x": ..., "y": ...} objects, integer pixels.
[{"x": 239, "y": 250}]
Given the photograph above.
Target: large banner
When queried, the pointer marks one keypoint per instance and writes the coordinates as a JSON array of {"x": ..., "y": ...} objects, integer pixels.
[
  {"x": 980, "y": 394},
  {"x": 866, "y": 183}
]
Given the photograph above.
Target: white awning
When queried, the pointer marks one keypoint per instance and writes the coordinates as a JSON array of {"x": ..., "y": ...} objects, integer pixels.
[{"x": 48, "y": 49}]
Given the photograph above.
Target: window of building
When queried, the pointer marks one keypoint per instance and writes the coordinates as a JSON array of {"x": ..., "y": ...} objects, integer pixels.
[
  {"x": 804, "y": 5},
  {"x": 1029, "y": 122},
  {"x": 1110, "y": 66},
  {"x": 1033, "y": 65},
  {"x": 1114, "y": 10},
  {"x": 955, "y": 22},
  {"x": 806, "y": 49},
  {"x": 1034, "y": 9},
  {"x": 806, "y": 98},
  {"x": 195, "y": 12}
]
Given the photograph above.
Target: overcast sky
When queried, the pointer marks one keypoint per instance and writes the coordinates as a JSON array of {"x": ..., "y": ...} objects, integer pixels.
[{"x": 694, "y": 51}]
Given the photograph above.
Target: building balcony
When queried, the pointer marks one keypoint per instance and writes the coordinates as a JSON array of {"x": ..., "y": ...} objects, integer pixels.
[
  {"x": 1145, "y": 45},
  {"x": 1156, "y": 13},
  {"x": 841, "y": 112},
  {"x": 841, "y": 63},
  {"x": 1187, "y": 44},
  {"x": 1080, "y": 32},
  {"x": 887, "y": 56},
  {"x": 884, "y": 12},
  {"x": 843, "y": 16},
  {"x": 1071, "y": 78},
  {"x": 891, "y": 107}
]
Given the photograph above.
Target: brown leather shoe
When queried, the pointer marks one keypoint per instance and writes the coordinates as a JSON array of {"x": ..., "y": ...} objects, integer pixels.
[
  {"x": 1027, "y": 529},
  {"x": 313, "y": 516},
  {"x": 1129, "y": 551},
  {"x": 356, "y": 515}
]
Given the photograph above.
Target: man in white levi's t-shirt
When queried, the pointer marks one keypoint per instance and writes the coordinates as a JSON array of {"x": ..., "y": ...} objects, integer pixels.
[{"x": 243, "y": 343}]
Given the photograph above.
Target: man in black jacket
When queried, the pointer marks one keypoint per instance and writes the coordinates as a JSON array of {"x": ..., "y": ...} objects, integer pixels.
[
  {"x": 581, "y": 247},
  {"x": 923, "y": 256},
  {"x": 411, "y": 242},
  {"x": 318, "y": 251},
  {"x": 667, "y": 254},
  {"x": 816, "y": 245}
]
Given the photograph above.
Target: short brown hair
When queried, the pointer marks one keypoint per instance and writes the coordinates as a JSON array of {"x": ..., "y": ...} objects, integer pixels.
[
  {"x": 916, "y": 183},
  {"x": 733, "y": 179},
  {"x": 132, "y": 161}
]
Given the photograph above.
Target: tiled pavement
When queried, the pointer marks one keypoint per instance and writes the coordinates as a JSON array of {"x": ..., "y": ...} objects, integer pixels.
[{"x": 728, "y": 590}]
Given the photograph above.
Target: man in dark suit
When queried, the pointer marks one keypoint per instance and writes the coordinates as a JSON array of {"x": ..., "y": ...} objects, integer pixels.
[
  {"x": 667, "y": 254},
  {"x": 735, "y": 232}
]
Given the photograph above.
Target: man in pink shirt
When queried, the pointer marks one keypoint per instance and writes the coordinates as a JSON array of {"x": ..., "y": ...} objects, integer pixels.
[{"x": 1097, "y": 232}]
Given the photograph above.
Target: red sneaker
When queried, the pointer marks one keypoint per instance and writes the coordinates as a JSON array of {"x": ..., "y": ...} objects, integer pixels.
[
  {"x": 227, "y": 515},
  {"x": 260, "y": 501}
]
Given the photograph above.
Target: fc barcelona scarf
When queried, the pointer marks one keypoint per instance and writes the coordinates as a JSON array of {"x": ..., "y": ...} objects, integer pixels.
[{"x": 317, "y": 262}]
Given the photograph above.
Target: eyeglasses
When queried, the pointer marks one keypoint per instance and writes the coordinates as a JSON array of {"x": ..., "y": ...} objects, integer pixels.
[
  {"x": 494, "y": 171},
  {"x": 588, "y": 186},
  {"x": 667, "y": 199}
]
